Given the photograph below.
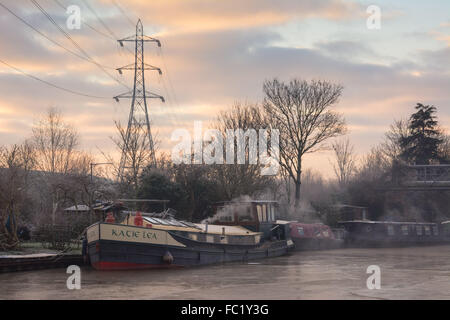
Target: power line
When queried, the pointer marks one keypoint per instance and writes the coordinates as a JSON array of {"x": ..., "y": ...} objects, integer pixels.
[
  {"x": 51, "y": 84},
  {"x": 87, "y": 24},
  {"x": 48, "y": 38},
  {"x": 45, "y": 13},
  {"x": 123, "y": 12},
  {"x": 100, "y": 20},
  {"x": 103, "y": 23},
  {"x": 94, "y": 29}
]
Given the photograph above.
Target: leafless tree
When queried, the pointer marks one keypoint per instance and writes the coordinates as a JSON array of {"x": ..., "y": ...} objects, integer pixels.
[
  {"x": 241, "y": 179},
  {"x": 16, "y": 162},
  {"x": 391, "y": 146},
  {"x": 55, "y": 142},
  {"x": 444, "y": 148},
  {"x": 374, "y": 166},
  {"x": 300, "y": 110},
  {"x": 345, "y": 161},
  {"x": 138, "y": 156}
]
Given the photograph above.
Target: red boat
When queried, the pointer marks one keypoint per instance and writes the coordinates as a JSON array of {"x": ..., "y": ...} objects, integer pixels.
[{"x": 314, "y": 236}]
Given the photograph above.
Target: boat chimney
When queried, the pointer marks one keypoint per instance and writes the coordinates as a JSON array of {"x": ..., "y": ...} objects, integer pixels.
[
  {"x": 110, "y": 218},
  {"x": 138, "y": 220}
]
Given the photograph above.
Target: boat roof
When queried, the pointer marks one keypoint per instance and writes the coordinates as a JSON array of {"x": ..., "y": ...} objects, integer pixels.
[
  {"x": 79, "y": 207},
  {"x": 169, "y": 222},
  {"x": 199, "y": 227},
  {"x": 283, "y": 222},
  {"x": 314, "y": 224},
  {"x": 245, "y": 201},
  {"x": 386, "y": 222},
  {"x": 236, "y": 230}
]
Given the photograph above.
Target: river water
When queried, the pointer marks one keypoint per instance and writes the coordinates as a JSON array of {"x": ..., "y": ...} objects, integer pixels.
[{"x": 405, "y": 273}]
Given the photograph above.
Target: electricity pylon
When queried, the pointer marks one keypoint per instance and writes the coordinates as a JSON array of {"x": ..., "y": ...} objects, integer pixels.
[{"x": 138, "y": 120}]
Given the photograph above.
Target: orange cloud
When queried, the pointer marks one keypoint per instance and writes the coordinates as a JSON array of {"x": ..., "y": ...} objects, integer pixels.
[{"x": 181, "y": 16}]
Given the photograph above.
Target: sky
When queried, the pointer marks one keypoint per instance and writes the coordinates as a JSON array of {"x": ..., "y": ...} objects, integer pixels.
[{"x": 215, "y": 53}]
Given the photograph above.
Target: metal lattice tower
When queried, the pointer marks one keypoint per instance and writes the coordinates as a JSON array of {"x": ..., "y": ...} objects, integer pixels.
[{"x": 138, "y": 120}]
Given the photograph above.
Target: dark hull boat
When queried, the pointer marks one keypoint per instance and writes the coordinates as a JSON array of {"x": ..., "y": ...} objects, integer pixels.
[
  {"x": 314, "y": 236},
  {"x": 160, "y": 243},
  {"x": 366, "y": 233}
]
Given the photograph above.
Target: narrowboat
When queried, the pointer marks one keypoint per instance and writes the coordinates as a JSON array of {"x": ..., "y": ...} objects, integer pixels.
[
  {"x": 366, "y": 233},
  {"x": 445, "y": 230},
  {"x": 146, "y": 240},
  {"x": 314, "y": 236}
]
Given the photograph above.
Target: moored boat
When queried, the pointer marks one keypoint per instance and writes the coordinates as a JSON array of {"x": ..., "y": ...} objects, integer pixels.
[
  {"x": 366, "y": 233},
  {"x": 143, "y": 241},
  {"x": 314, "y": 236}
]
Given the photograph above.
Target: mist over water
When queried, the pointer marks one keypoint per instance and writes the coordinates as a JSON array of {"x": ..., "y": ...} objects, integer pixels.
[{"x": 406, "y": 273}]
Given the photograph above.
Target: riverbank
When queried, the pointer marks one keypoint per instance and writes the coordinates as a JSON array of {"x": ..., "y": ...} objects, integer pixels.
[
  {"x": 34, "y": 256},
  {"x": 27, "y": 248}
]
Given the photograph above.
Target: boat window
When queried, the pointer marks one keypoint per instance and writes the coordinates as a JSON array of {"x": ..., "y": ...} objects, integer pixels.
[
  {"x": 390, "y": 229},
  {"x": 270, "y": 212},
  {"x": 405, "y": 230},
  {"x": 427, "y": 230},
  {"x": 259, "y": 210},
  {"x": 151, "y": 220},
  {"x": 419, "y": 230},
  {"x": 161, "y": 221},
  {"x": 301, "y": 231},
  {"x": 316, "y": 232},
  {"x": 435, "y": 230},
  {"x": 184, "y": 224},
  {"x": 264, "y": 210},
  {"x": 246, "y": 216},
  {"x": 226, "y": 218},
  {"x": 172, "y": 223}
]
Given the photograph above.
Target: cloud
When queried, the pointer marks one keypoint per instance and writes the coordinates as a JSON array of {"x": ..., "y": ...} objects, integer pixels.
[
  {"x": 213, "y": 54},
  {"x": 203, "y": 15}
]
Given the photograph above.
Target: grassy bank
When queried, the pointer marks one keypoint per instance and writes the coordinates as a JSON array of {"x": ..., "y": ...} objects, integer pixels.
[{"x": 29, "y": 247}]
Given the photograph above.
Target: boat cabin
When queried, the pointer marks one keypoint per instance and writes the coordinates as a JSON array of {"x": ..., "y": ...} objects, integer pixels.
[
  {"x": 445, "y": 229},
  {"x": 255, "y": 215},
  {"x": 391, "y": 232},
  {"x": 311, "y": 230},
  {"x": 252, "y": 212},
  {"x": 223, "y": 234}
]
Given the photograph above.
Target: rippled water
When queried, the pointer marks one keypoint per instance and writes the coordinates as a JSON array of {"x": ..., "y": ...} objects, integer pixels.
[{"x": 406, "y": 273}]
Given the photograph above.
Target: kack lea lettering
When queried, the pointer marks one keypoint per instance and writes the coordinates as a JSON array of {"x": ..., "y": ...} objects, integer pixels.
[{"x": 133, "y": 234}]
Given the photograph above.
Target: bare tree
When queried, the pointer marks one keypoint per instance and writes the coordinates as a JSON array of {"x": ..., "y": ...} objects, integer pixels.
[
  {"x": 15, "y": 163},
  {"x": 300, "y": 110},
  {"x": 138, "y": 156},
  {"x": 345, "y": 161},
  {"x": 391, "y": 146},
  {"x": 374, "y": 166},
  {"x": 444, "y": 149},
  {"x": 55, "y": 142},
  {"x": 241, "y": 179}
]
